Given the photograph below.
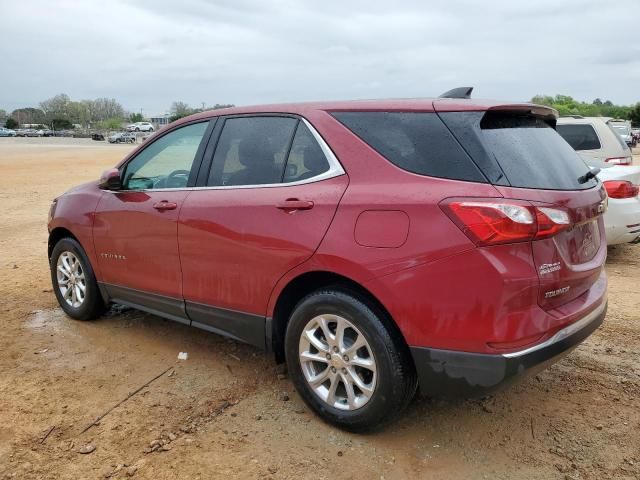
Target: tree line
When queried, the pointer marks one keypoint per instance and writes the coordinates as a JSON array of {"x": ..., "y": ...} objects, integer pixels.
[
  {"x": 566, "y": 105},
  {"x": 61, "y": 112}
]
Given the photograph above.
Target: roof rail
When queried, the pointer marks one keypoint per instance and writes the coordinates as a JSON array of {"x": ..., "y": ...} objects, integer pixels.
[
  {"x": 572, "y": 116},
  {"x": 460, "y": 92}
]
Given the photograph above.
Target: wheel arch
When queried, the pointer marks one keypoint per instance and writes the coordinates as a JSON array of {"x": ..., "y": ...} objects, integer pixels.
[
  {"x": 58, "y": 234},
  {"x": 305, "y": 283}
]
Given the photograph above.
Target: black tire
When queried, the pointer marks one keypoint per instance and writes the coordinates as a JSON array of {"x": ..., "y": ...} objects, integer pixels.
[
  {"x": 396, "y": 378},
  {"x": 93, "y": 305}
]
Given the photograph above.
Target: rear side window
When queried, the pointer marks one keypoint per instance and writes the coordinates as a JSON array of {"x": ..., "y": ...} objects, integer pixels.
[
  {"x": 528, "y": 151},
  {"x": 417, "y": 142},
  {"x": 306, "y": 158},
  {"x": 580, "y": 137},
  {"x": 252, "y": 151},
  {"x": 620, "y": 140}
]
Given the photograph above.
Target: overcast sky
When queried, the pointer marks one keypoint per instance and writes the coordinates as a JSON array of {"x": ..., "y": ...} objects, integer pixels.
[{"x": 148, "y": 53}]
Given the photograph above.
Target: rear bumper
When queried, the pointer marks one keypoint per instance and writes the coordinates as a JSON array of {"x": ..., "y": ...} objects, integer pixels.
[
  {"x": 449, "y": 373},
  {"x": 620, "y": 214}
]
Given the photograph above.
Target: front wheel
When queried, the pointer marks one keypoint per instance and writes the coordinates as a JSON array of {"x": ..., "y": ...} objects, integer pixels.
[
  {"x": 74, "y": 282},
  {"x": 345, "y": 363}
]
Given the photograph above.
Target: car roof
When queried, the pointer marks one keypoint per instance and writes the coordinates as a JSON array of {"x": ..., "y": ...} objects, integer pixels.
[
  {"x": 390, "y": 105},
  {"x": 582, "y": 120}
]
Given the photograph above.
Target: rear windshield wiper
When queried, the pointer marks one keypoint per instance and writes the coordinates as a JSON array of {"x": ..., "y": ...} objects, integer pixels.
[{"x": 589, "y": 175}]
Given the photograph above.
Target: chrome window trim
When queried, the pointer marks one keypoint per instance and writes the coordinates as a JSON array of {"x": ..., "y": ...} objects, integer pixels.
[{"x": 335, "y": 170}]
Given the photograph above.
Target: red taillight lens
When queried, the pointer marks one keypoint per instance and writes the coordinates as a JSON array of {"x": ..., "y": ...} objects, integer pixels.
[
  {"x": 505, "y": 221},
  {"x": 621, "y": 189},
  {"x": 619, "y": 160}
]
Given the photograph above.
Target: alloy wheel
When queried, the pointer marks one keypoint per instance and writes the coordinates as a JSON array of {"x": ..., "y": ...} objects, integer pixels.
[
  {"x": 337, "y": 362},
  {"x": 71, "y": 280}
]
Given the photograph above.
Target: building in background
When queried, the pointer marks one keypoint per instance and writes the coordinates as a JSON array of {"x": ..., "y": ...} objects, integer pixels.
[{"x": 160, "y": 121}]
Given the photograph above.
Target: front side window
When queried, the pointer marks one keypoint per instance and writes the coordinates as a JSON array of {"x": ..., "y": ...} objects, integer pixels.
[
  {"x": 167, "y": 162},
  {"x": 252, "y": 151},
  {"x": 579, "y": 136}
]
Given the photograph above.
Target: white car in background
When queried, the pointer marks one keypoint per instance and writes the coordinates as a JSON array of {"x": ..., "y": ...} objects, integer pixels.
[
  {"x": 623, "y": 128},
  {"x": 140, "y": 127},
  {"x": 600, "y": 147},
  {"x": 594, "y": 138}
]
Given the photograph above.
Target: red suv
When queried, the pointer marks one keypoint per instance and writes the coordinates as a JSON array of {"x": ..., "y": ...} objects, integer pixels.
[{"x": 374, "y": 245}]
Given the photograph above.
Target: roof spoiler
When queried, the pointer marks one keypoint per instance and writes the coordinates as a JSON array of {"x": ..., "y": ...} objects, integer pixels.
[{"x": 460, "y": 92}]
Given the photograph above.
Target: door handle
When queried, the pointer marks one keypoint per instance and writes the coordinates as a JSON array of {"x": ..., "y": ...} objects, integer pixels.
[
  {"x": 164, "y": 205},
  {"x": 292, "y": 204}
]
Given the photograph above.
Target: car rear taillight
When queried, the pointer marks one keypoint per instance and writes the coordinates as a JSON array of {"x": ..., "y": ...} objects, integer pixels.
[
  {"x": 619, "y": 160},
  {"x": 491, "y": 222},
  {"x": 621, "y": 189}
]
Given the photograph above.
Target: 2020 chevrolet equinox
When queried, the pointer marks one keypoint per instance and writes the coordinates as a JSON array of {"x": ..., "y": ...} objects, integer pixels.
[{"x": 376, "y": 246}]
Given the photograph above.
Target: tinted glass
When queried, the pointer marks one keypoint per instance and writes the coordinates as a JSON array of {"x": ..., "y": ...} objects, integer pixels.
[
  {"x": 417, "y": 142},
  {"x": 306, "y": 158},
  {"x": 531, "y": 153},
  {"x": 620, "y": 140},
  {"x": 251, "y": 151},
  {"x": 167, "y": 162},
  {"x": 580, "y": 137}
]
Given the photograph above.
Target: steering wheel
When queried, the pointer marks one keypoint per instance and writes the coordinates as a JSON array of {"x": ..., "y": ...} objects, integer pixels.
[{"x": 177, "y": 179}]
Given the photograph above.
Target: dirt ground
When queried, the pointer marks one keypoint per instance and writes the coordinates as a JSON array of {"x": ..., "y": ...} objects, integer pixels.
[{"x": 226, "y": 412}]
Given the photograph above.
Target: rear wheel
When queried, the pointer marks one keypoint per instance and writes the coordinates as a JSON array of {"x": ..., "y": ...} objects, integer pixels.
[
  {"x": 345, "y": 363},
  {"x": 74, "y": 282}
]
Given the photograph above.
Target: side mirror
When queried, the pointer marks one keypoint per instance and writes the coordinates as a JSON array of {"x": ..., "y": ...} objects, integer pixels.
[{"x": 110, "y": 180}]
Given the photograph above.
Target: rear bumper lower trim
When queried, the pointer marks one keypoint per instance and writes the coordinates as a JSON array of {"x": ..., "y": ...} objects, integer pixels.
[{"x": 449, "y": 373}]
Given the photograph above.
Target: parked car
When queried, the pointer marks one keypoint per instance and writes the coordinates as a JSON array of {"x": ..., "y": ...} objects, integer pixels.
[
  {"x": 622, "y": 218},
  {"x": 140, "y": 127},
  {"x": 7, "y": 132},
  {"x": 122, "y": 137},
  {"x": 374, "y": 245},
  {"x": 594, "y": 138},
  {"x": 98, "y": 137},
  {"x": 623, "y": 128},
  {"x": 636, "y": 134}
]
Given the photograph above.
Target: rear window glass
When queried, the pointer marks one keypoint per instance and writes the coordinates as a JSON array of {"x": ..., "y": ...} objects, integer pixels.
[
  {"x": 620, "y": 140},
  {"x": 580, "y": 137},
  {"x": 531, "y": 153},
  {"x": 417, "y": 142}
]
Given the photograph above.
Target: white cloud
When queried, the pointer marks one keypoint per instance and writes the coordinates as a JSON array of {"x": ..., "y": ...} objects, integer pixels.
[{"x": 148, "y": 53}]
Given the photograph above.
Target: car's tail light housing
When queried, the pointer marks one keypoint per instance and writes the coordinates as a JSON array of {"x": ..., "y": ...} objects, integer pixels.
[
  {"x": 496, "y": 221},
  {"x": 619, "y": 160},
  {"x": 621, "y": 189}
]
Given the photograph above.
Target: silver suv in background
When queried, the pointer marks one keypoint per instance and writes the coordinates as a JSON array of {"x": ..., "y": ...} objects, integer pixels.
[
  {"x": 595, "y": 138},
  {"x": 600, "y": 147},
  {"x": 623, "y": 128}
]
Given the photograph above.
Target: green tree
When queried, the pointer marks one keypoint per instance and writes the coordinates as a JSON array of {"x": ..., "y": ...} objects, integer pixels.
[
  {"x": 11, "y": 123},
  {"x": 136, "y": 117},
  {"x": 634, "y": 114},
  {"x": 110, "y": 124},
  {"x": 179, "y": 110},
  {"x": 61, "y": 124},
  {"x": 28, "y": 115}
]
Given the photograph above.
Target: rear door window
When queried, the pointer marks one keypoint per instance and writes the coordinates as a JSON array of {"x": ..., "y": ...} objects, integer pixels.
[
  {"x": 579, "y": 136},
  {"x": 251, "y": 151},
  {"x": 417, "y": 142},
  {"x": 306, "y": 158}
]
